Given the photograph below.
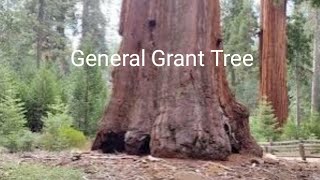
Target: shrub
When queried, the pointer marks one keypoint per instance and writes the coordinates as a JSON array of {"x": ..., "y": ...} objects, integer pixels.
[
  {"x": 52, "y": 142},
  {"x": 20, "y": 142},
  {"x": 27, "y": 141},
  {"x": 309, "y": 129},
  {"x": 291, "y": 131},
  {"x": 58, "y": 133},
  {"x": 314, "y": 125},
  {"x": 72, "y": 137},
  {"x": 63, "y": 138},
  {"x": 10, "y": 142}
]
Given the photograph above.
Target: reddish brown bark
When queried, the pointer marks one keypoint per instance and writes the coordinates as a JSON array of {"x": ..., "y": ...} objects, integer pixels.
[
  {"x": 185, "y": 112},
  {"x": 273, "y": 69}
]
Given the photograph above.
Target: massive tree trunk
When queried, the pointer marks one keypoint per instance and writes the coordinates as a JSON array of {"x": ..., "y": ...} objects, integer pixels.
[
  {"x": 316, "y": 65},
  {"x": 273, "y": 83},
  {"x": 184, "y": 112}
]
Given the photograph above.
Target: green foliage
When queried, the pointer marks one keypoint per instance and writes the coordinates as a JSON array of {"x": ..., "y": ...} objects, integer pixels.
[
  {"x": 290, "y": 131},
  {"x": 13, "y": 134},
  {"x": 309, "y": 129},
  {"x": 240, "y": 28},
  {"x": 17, "y": 36},
  {"x": 45, "y": 87},
  {"x": 8, "y": 83},
  {"x": 89, "y": 88},
  {"x": 314, "y": 3},
  {"x": 58, "y": 133},
  {"x": 42, "y": 91},
  {"x": 93, "y": 28},
  {"x": 28, "y": 141},
  {"x": 293, "y": 132},
  {"x": 255, "y": 129},
  {"x": 12, "y": 120},
  {"x": 26, "y": 38},
  {"x": 20, "y": 142},
  {"x": 299, "y": 71},
  {"x": 264, "y": 124},
  {"x": 299, "y": 48},
  {"x": 33, "y": 171},
  {"x": 73, "y": 137},
  {"x": 88, "y": 98},
  {"x": 89, "y": 94},
  {"x": 313, "y": 125}
]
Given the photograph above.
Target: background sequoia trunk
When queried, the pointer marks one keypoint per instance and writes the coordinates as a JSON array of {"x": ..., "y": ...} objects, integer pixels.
[
  {"x": 184, "y": 112},
  {"x": 273, "y": 82}
]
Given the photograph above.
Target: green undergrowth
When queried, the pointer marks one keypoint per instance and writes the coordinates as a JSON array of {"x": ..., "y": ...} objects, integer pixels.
[{"x": 11, "y": 171}]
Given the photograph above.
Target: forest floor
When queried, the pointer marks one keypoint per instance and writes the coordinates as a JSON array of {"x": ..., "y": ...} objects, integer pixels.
[{"x": 95, "y": 166}]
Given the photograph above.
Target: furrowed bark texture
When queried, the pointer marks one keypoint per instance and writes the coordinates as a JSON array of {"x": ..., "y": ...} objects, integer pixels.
[
  {"x": 183, "y": 112},
  {"x": 273, "y": 82}
]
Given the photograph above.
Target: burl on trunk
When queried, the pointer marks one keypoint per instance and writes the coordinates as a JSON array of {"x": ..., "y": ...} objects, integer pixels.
[{"x": 184, "y": 112}]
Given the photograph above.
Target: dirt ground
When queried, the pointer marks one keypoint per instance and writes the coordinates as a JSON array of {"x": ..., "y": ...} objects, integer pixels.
[{"x": 98, "y": 166}]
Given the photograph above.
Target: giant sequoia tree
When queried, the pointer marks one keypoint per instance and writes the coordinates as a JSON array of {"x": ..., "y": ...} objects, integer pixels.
[
  {"x": 273, "y": 69},
  {"x": 173, "y": 111}
]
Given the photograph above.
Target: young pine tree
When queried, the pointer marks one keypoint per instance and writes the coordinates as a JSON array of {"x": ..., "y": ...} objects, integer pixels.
[
  {"x": 88, "y": 98},
  {"x": 12, "y": 119},
  {"x": 39, "y": 94},
  {"x": 12, "y": 122},
  {"x": 265, "y": 126},
  {"x": 89, "y": 92}
]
